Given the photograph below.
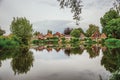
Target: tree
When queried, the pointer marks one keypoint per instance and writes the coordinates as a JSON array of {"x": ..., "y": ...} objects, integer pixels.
[
  {"x": 75, "y": 6},
  {"x": 75, "y": 33},
  {"x": 49, "y": 31},
  {"x": 67, "y": 31},
  {"x": 113, "y": 28},
  {"x": 2, "y": 32},
  {"x": 22, "y": 28},
  {"x": 36, "y": 33},
  {"x": 81, "y": 30},
  {"x": 92, "y": 28},
  {"x": 111, "y": 14}
]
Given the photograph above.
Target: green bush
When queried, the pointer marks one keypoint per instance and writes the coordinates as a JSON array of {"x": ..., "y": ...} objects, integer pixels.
[
  {"x": 8, "y": 43},
  {"x": 112, "y": 43},
  {"x": 36, "y": 42}
]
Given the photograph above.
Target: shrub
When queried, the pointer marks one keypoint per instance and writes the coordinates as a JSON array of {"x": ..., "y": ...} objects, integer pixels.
[
  {"x": 7, "y": 43},
  {"x": 35, "y": 42},
  {"x": 112, "y": 43}
]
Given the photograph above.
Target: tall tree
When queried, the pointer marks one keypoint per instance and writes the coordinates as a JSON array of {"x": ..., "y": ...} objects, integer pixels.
[
  {"x": 111, "y": 14},
  {"x": 113, "y": 28},
  {"x": 81, "y": 30},
  {"x": 49, "y": 31},
  {"x": 92, "y": 28},
  {"x": 67, "y": 31},
  {"x": 22, "y": 28},
  {"x": 75, "y": 33},
  {"x": 75, "y": 6}
]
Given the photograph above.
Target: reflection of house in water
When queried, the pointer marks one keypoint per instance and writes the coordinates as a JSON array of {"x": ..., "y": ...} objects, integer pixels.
[
  {"x": 40, "y": 48},
  {"x": 96, "y": 49},
  {"x": 49, "y": 49},
  {"x": 82, "y": 47},
  {"x": 104, "y": 49},
  {"x": 57, "y": 49}
]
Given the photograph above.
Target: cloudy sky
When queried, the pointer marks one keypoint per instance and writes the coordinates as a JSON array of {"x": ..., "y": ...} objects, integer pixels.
[{"x": 42, "y": 10}]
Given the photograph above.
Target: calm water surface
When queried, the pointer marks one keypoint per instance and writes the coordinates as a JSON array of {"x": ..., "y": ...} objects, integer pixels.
[{"x": 55, "y": 64}]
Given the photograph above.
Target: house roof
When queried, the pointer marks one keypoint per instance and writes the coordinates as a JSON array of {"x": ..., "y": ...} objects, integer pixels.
[
  {"x": 82, "y": 35},
  {"x": 103, "y": 35},
  {"x": 96, "y": 34}
]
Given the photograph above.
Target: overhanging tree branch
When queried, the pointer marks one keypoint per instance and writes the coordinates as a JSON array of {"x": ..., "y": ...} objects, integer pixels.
[{"x": 75, "y": 6}]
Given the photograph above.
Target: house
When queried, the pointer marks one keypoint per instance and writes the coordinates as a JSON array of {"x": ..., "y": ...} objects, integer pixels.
[
  {"x": 57, "y": 34},
  {"x": 82, "y": 36},
  {"x": 95, "y": 35},
  {"x": 40, "y": 36},
  {"x": 67, "y": 37},
  {"x": 103, "y": 36},
  {"x": 48, "y": 35}
]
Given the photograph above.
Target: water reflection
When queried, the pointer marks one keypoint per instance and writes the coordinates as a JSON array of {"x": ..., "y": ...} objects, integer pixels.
[
  {"x": 93, "y": 50},
  {"x": 0, "y": 63},
  {"x": 22, "y": 62},
  {"x": 111, "y": 61},
  {"x": 22, "y": 59}
]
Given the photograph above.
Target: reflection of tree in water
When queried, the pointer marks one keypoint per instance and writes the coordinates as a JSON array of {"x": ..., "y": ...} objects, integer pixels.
[
  {"x": 111, "y": 61},
  {"x": 93, "y": 51},
  {"x": 0, "y": 63},
  {"x": 7, "y": 54},
  {"x": 67, "y": 51},
  {"x": 116, "y": 75},
  {"x": 22, "y": 62},
  {"x": 74, "y": 50}
]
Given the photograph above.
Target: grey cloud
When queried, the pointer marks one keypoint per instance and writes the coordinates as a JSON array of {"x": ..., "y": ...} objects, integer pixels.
[
  {"x": 47, "y": 2},
  {"x": 39, "y": 10},
  {"x": 97, "y": 3},
  {"x": 0, "y": 1}
]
